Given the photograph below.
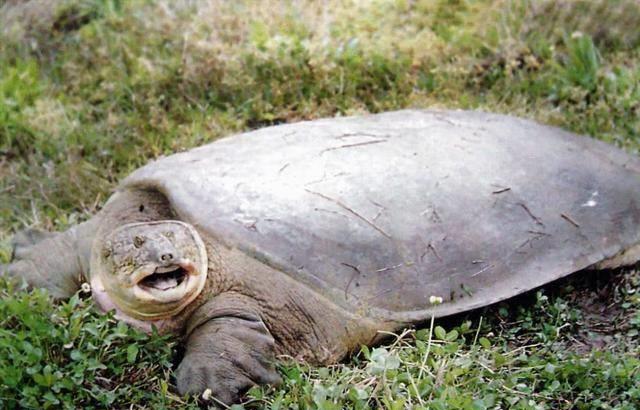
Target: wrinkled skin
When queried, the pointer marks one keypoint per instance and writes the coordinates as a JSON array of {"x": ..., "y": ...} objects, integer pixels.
[
  {"x": 349, "y": 230},
  {"x": 232, "y": 321}
]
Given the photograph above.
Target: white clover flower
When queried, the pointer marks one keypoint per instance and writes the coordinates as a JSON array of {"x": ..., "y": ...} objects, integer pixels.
[{"x": 435, "y": 300}]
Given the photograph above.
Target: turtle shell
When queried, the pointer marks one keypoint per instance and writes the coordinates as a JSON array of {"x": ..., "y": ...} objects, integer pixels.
[{"x": 385, "y": 214}]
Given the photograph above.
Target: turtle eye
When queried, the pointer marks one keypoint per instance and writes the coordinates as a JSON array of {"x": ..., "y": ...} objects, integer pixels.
[{"x": 138, "y": 241}]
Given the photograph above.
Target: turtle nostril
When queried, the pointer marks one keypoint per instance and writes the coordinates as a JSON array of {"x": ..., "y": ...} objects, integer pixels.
[{"x": 166, "y": 257}]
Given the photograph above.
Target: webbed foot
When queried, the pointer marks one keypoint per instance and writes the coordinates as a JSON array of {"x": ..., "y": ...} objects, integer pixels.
[{"x": 228, "y": 355}]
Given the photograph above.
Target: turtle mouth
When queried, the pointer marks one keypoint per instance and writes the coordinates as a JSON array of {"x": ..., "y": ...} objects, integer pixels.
[{"x": 165, "y": 278}]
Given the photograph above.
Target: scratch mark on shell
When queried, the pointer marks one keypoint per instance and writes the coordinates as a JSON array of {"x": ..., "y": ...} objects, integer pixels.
[
  {"x": 283, "y": 168},
  {"x": 331, "y": 212},
  {"x": 358, "y": 134},
  {"x": 433, "y": 249},
  {"x": 501, "y": 190},
  {"x": 528, "y": 211},
  {"x": 351, "y": 211},
  {"x": 389, "y": 268},
  {"x": 380, "y": 211},
  {"x": 442, "y": 118},
  {"x": 570, "y": 220},
  {"x": 539, "y": 233},
  {"x": 483, "y": 270},
  {"x": 358, "y": 144},
  {"x": 324, "y": 176},
  {"x": 356, "y": 272}
]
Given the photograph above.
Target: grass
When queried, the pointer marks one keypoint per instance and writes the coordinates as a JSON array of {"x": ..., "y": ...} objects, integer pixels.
[{"x": 91, "y": 89}]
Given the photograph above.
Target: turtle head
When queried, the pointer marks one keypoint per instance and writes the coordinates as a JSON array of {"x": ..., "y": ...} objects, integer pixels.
[{"x": 149, "y": 270}]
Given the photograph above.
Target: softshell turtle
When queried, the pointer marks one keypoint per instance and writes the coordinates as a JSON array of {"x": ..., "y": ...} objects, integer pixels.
[{"x": 308, "y": 239}]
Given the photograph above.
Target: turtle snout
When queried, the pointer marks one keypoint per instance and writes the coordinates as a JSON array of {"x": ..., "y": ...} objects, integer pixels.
[
  {"x": 166, "y": 254},
  {"x": 167, "y": 257}
]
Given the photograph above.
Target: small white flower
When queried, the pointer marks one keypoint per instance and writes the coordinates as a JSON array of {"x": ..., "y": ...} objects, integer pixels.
[
  {"x": 206, "y": 395},
  {"x": 85, "y": 288},
  {"x": 435, "y": 300}
]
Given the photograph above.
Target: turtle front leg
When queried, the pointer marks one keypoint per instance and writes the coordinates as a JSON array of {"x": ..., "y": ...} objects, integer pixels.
[
  {"x": 26, "y": 239},
  {"x": 229, "y": 349},
  {"x": 54, "y": 261}
]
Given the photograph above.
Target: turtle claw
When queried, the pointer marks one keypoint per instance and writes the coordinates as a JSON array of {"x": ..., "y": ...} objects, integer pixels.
[
  {"x": 201, "y": 375},
  {"x": 225, "y": 357}
]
